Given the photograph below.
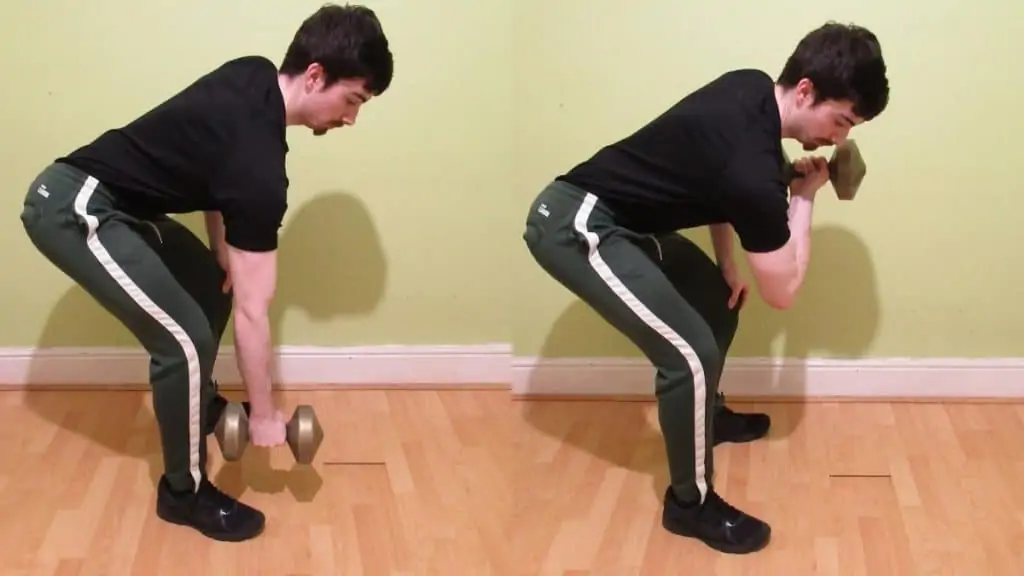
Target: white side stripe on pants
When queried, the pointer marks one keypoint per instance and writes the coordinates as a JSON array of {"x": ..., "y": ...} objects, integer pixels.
[
  {"x": 649, "y": 318},
  {"x": 147, "y": 304}
]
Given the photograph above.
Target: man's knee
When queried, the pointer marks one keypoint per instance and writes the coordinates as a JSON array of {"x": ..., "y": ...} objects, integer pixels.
[
  {"x": 710, "y": 358},
  {"x": 697, "y": 363},
  {"x": 206, "y": 349},
  {"x": 192, "y": 349}
]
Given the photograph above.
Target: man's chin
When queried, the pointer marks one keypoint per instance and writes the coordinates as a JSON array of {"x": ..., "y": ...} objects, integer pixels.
[{"x": 319, "y": 131}]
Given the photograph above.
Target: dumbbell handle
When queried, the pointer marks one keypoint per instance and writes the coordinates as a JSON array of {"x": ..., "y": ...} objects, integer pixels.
[
  {"x": 845, "y": 170},
  {"x": 302, "y": 432},
  {"x": 789, "y": 172}
]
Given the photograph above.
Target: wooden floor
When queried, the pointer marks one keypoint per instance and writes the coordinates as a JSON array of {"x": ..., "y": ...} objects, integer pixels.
[{"x": 472, "y": 483}]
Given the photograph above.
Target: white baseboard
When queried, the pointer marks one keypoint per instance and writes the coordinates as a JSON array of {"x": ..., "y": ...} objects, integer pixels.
[
  {"x": 295, "y": 367},
  {"x": 929, "y": 378},
  {"x": 494, "y": 366}
]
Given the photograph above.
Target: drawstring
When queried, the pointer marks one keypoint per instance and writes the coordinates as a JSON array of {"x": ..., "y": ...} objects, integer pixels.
[
  {"x": 157, "y": 230},
  {"x": 658, "y": 246}
]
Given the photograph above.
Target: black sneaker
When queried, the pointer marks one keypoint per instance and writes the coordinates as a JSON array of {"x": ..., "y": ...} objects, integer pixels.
[
  {"x": 732, "y": 426},
  {"x": 210, "y": 511},
  {"x": 213, "y": 414},
  {"x": 716, "y": 524}
]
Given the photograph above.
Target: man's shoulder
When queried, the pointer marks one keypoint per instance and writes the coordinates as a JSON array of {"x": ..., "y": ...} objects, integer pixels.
[
  {"x": 742, "y": 104},
  {"x": 246, "y": 81},
  {"x": 224, "y": 99},
  {"x": 724, "y": 117},
  {"x": 740, "y": 91},
  {"x": 249, "y": 67},
  {"x": 742, "y": 82},
  {"x": 243, "y": 97},
  {"x": 755, "y": 77}
]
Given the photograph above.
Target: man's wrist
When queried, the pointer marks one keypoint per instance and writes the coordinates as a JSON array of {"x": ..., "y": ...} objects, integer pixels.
[
  {"x": 261, "y": 404},
  {"x": 264, "y": 412},
  {"x": 803, "y": 192}
]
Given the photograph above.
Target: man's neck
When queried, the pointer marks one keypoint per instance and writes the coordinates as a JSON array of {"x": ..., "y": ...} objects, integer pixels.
[
  {"x": 784, "y": 100},
  {"x": 291, "y": 89}
]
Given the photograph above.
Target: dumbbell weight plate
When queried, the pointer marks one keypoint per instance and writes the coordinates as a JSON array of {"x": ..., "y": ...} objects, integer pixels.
[
  {"x": 304, "y": 434},
  {"x": 232, "y": 431},
  {"x": 847, "y": 170}
]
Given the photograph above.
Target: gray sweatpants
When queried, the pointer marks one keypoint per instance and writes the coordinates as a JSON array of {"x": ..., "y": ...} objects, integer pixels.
[
  {"x": 664, "y": 294},
  {"x": 159, "y": 280}
]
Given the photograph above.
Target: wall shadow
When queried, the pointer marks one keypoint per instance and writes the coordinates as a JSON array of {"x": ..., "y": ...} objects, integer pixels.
[
  {"x": 330, "y": 263},
  {"x": 331, "y": 260},
  {"x": 837, "y": 315}
]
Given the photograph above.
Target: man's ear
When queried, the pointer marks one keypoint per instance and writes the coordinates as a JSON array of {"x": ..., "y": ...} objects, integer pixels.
[
  {"x": 313, "y": 78},
  {"x": 806, "y": 95}
]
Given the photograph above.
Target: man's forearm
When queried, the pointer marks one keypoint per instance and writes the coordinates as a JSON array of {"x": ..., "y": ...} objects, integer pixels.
[
  {"x": 800, "y": 212},
  {"x": 253, "y": 351},
  {"x": 721, "y": 238}
]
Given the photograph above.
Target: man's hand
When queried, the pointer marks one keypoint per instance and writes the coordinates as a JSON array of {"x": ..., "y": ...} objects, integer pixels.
[
  {"x": 222, "y": 259},
  {"x": 267, "y": 430},
  {"x": 215, "y": 233},
  {"x": 813, "y": 174},
  {"x": 736, "y": 283},
  {"x": 721, "y": 239}
]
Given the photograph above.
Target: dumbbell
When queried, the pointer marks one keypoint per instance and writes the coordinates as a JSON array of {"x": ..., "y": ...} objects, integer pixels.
[
  {"x": 846, "y": 170},
  {"x": 304, "y": 433}
]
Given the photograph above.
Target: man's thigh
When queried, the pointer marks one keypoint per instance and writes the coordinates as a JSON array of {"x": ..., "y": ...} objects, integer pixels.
[{"x": 194, "y": 265}]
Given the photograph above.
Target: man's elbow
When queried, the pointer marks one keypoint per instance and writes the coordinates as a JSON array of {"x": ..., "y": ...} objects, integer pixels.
[
  {"x": 252, "y": 300},
  {"x": 780, "y": 296},
  {"x": 253, "y": 279},
  {"x": 779, "y": 301},
  {"x": 251, "y": 308}
]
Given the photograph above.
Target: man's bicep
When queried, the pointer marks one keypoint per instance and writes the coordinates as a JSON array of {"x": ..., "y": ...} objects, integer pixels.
[
  {"x": 758, "y": 209},
  {"x": 764, "y": 234},
  {"x": 755, "y": 198},
  {"x": 253, "y": 208},
  {"x": 251, "y": 190},
  {"x": 253, "y": 278},
  {"x": 252, "y": 228},
  {"x": 251, "y": 235},
  {"x": 759, "y": 213}
]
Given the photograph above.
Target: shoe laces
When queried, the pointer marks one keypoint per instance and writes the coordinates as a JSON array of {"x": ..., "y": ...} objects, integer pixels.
[
  {"x": 215, "y": 496},
  {"x": 717, "y": 505}
]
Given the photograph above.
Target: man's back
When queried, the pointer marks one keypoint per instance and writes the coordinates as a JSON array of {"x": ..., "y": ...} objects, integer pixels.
[
  {"x": 169, "y": 159},
  {"x": 676, "y": 171}
]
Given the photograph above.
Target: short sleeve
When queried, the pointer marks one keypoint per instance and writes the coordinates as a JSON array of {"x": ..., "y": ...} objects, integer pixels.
[
  {"x": 756, "y": 202},
  {"x": 252, "y": 224},
  {"x": 251, "y": 190}
]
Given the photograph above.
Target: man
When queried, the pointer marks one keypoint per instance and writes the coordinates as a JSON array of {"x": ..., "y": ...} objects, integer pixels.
[
  {"x": 218, "y": 146},
  {"x": 606, "y": 230}
]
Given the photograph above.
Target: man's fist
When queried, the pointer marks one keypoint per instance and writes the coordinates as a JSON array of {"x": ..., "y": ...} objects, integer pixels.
[{"x": 812, "y": 174}]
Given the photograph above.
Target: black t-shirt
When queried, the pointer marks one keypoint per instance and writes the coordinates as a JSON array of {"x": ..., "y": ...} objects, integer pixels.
[
  {"x": 218, "y": 145},
  {"x": 715, "y": 156}
]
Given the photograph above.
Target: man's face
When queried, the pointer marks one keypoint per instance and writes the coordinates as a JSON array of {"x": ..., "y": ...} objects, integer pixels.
[
  {"x": 332, "y": 106},
  {"x": 822, "y": 123}
]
